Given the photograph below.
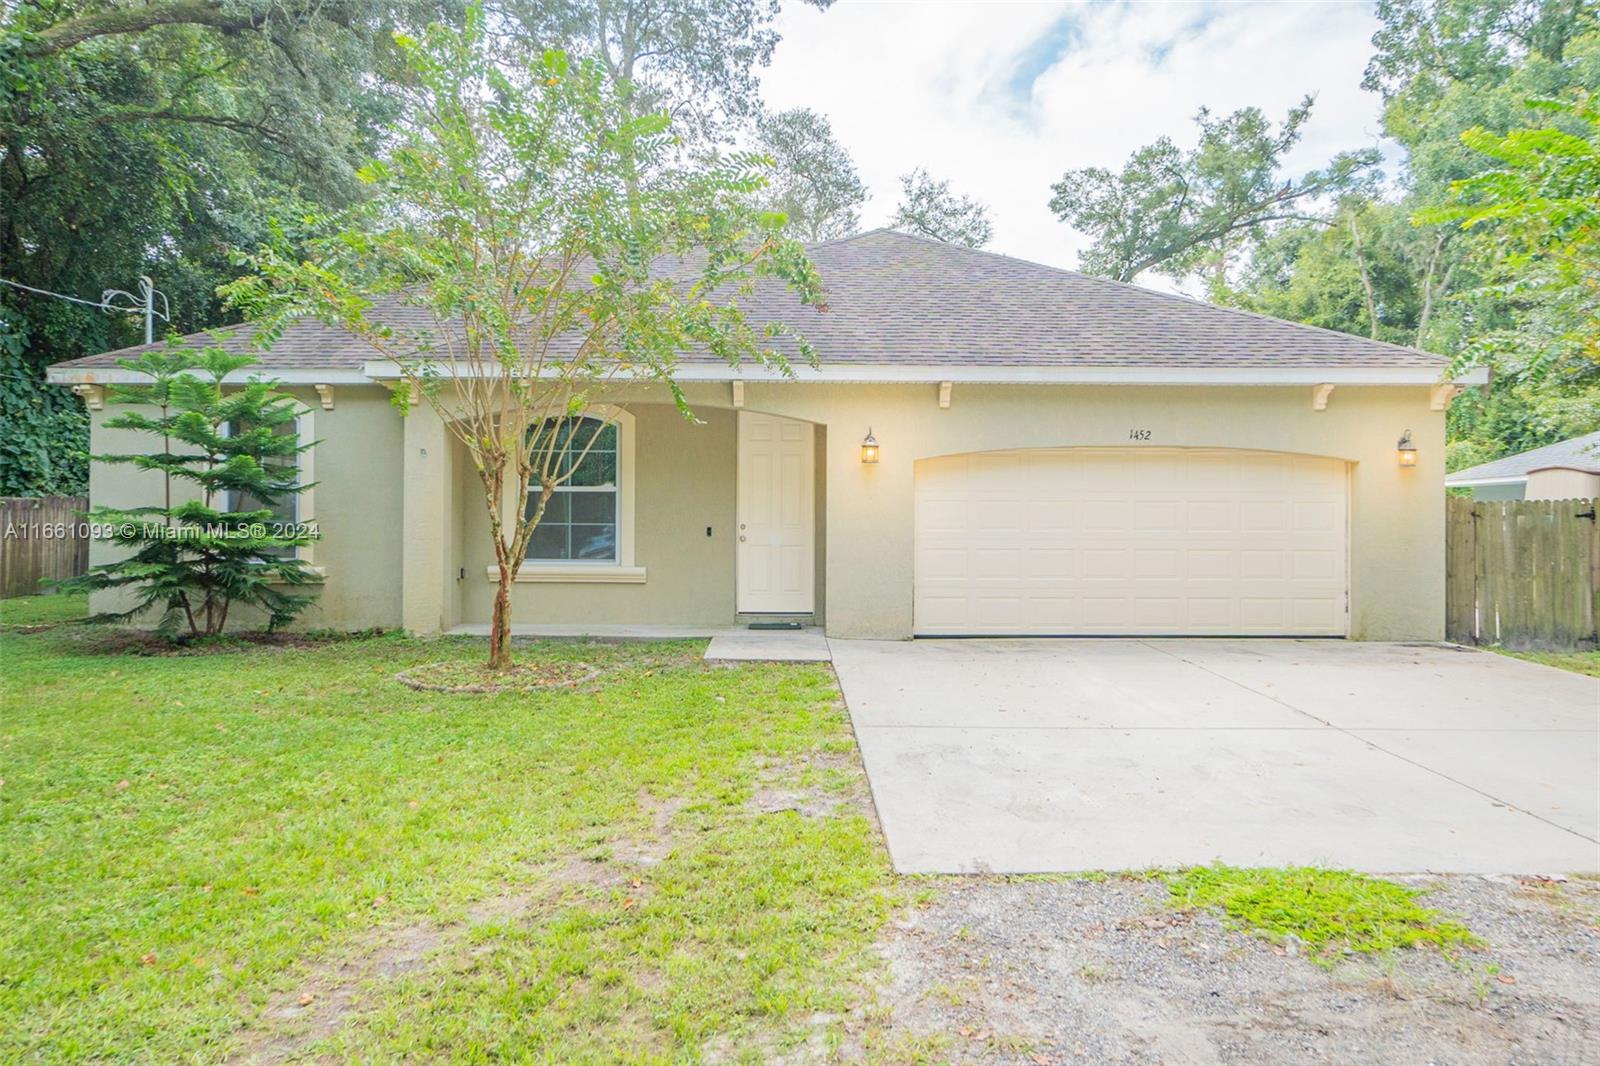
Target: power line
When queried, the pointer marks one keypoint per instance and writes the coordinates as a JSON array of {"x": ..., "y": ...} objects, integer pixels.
[
  {"x": 101, "y": 303},
  {"x": 144, "y": 303}
]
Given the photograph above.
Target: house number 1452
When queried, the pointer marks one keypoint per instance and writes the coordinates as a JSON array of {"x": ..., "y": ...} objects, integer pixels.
[{"x": 1138, "y": 434}]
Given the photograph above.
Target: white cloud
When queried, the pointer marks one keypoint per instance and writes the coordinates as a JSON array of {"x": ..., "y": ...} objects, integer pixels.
[{"x": 945, "y": 85}]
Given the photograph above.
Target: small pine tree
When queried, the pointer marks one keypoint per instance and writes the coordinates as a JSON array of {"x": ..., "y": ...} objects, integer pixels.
[{"x": 194, "y": 559}]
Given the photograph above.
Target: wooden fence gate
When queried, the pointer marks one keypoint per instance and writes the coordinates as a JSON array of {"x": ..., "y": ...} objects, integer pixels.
[
  {"x": 1522, "y": 572},
  {"x": 40, "y": 537}
]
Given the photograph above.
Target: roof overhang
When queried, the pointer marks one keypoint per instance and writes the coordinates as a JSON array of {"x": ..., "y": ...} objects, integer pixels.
[
  {"x": 905, "y": 373},
  {"x": 116, "y": 375},
  {"x": 380, "y": 371}
]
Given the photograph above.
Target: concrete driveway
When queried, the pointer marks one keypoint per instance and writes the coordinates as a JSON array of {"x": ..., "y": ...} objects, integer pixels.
[{"x": 1049, "y": 755}]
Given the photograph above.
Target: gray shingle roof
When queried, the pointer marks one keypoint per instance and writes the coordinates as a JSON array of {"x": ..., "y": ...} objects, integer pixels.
[
  {"x": 1579, "y": 453},
  {"x": 894, "y": 298}
]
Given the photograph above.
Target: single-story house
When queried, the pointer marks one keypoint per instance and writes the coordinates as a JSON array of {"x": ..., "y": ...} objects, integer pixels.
[
  {"x": 1055, "y": 454},
  {"x": 1569, "y": 470}
]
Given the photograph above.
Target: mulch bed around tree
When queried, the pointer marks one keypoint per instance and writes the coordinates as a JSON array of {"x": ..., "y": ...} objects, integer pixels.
[{"x": 458, "y": 676}]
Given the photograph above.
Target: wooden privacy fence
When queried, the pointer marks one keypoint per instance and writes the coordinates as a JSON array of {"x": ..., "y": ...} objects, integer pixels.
[
  {"x": 40, "y": 537},
  {"x": 1522, "y": 572}
]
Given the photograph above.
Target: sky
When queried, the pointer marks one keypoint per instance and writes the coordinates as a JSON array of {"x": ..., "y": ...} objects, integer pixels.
[{"x": 1002, "y": 98}]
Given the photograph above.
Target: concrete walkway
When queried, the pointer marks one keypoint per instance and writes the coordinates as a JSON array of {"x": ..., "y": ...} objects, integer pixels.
[
  {"x": 1053, "y": 755},
  {"x": 728, "y": 643}
]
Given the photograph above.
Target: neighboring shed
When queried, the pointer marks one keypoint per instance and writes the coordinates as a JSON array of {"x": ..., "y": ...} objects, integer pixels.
[{"x": 1566, "y": 471}]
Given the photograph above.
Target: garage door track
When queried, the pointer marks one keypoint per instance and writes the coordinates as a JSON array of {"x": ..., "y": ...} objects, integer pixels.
[{"x": 1018, "y": 756}]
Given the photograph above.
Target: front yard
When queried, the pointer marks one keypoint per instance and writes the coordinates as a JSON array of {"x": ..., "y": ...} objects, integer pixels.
[
  {"x": 276, "y": 852},
  {"x": 214, "y": 853}
]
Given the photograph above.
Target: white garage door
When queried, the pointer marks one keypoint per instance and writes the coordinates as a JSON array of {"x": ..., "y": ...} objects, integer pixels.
[{"x": 1130, "y": 541}]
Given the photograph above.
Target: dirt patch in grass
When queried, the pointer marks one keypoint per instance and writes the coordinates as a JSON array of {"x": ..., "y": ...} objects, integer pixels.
[
  {"x": 816, "y": 784},
  {"x": 653, "y": 848},
  {"x": 1056, "y": 970},
  {"x": 333, "y": 992},
  {"x": 458, "y": 676},
  {"x": 293, "y": 1021}
]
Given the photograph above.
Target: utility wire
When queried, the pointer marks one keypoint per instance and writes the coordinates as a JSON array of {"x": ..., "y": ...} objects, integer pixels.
[{"x": 101, "y": 303}]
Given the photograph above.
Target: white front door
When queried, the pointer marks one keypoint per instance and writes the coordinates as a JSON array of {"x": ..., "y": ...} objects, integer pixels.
[{"x": 777, "y": 533}]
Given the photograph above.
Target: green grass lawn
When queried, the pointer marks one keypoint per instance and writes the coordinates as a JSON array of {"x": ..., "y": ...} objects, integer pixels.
[
  {"x": 1579, "y": 662},
  {"x": 43, "y": 610},
  {"x": 284, "y": 851}
]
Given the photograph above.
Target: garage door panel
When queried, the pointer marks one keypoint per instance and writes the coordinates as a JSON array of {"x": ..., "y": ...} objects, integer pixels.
[
  {"x": 1130, "y": 541},
  {"x": 1212, "y": 516},
  {"x": 1048, "y": 563}
]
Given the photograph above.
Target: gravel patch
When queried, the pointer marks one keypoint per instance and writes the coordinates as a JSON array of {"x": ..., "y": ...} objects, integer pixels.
[{"x": 1037, "y": 972}]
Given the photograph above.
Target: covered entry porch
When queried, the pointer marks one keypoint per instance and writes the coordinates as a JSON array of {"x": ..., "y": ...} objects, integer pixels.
[{"x": 690, "y": 523}]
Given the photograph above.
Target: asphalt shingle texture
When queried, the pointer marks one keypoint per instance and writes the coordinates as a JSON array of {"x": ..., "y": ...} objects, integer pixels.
[
  {"x": 893, "y": 298},
  {"x": 1579, "y": 453}
]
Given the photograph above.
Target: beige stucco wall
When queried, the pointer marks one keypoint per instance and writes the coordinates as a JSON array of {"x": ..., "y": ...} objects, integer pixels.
[
  {"x": 1560, "y": 483},
  {"x": 683, "y": 482},
  {"x": 356, "y": 502},
  {"x": 1396, "y": 516},
  {"x": 406, "y": 539}
]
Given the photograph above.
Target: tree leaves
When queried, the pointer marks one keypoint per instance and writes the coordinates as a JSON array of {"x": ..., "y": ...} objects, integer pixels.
[
  {"x": 930, "y": 209},
  {"x": 1169, "y": 210}
]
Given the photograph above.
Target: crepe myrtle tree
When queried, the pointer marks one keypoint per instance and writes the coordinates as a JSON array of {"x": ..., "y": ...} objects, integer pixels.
[
  {"x": 531, "y": 253},
  {"x": 218, "y": 540}
]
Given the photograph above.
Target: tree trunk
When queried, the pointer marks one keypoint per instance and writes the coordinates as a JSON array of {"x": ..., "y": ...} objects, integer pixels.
[
  {"x": 1366, "y": 279},
  {"x": 500, "y": 627},
  {"x": 1430, "y": 292}
]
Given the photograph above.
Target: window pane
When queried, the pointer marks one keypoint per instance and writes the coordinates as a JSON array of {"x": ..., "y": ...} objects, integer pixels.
[
  {"x": 568, "y": 440},
  {"x": 599, "y": 468},
  {"x": 594, "y": 542},
  {"x": 554, "y": 511},
  {"x": 549, "y": 541},
  {"x": 598, "y": 508},
  {"x": 578, "y": 524}
]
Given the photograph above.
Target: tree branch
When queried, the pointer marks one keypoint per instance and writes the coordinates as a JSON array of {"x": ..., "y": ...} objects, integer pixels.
[{"x": 121, "y": 20}]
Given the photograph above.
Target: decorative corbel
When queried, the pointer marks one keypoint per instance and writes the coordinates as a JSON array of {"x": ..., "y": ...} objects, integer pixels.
[
  {"x": 1441, "y": 395},
  {"x": 325, "y": 393},
  {"x": 738, "y": 394},
  {"x": 944, "y": 394},
  {"x": 1319, "y": 396},
  {"x": 93, "y": 396}
]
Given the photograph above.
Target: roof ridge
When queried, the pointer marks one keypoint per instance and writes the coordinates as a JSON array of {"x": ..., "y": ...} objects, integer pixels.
[{"x": 1189, "y": 301}]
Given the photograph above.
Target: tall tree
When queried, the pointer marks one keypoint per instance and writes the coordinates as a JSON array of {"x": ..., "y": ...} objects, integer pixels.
[
  {"x": 525, "y": 218},
  {"x": 695, "y": 59},
  {"x": 814, "y": 182},
  {"x": 1423, "y": 48},
  {"x": 1534, "y": 224},
  {"x": 192, "y": 558},
  {"x": 928, "y": 207},
  {"x": 155, "y": 138},
  {"x": 1173, "y": 210}
]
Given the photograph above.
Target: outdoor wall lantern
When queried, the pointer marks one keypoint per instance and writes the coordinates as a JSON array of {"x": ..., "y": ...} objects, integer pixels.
[
  {"x": 869, "y": 448},
  {"x": 1406, "y": 450}
]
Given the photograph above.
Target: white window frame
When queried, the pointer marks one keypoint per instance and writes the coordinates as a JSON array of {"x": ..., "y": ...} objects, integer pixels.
[{"x": 620, "y": 570}]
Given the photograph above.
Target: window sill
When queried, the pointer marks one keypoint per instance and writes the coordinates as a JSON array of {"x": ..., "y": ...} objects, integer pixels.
[{"x": 575, "y": 574}]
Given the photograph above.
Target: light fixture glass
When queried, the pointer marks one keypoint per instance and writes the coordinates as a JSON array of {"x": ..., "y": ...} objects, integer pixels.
[
  {"x": 869, "y": 448},
  {"x": 1406, "y": 450}
]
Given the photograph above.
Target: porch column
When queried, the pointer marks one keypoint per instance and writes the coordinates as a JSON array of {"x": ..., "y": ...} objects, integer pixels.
[{"x": 426, "y": 516}]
